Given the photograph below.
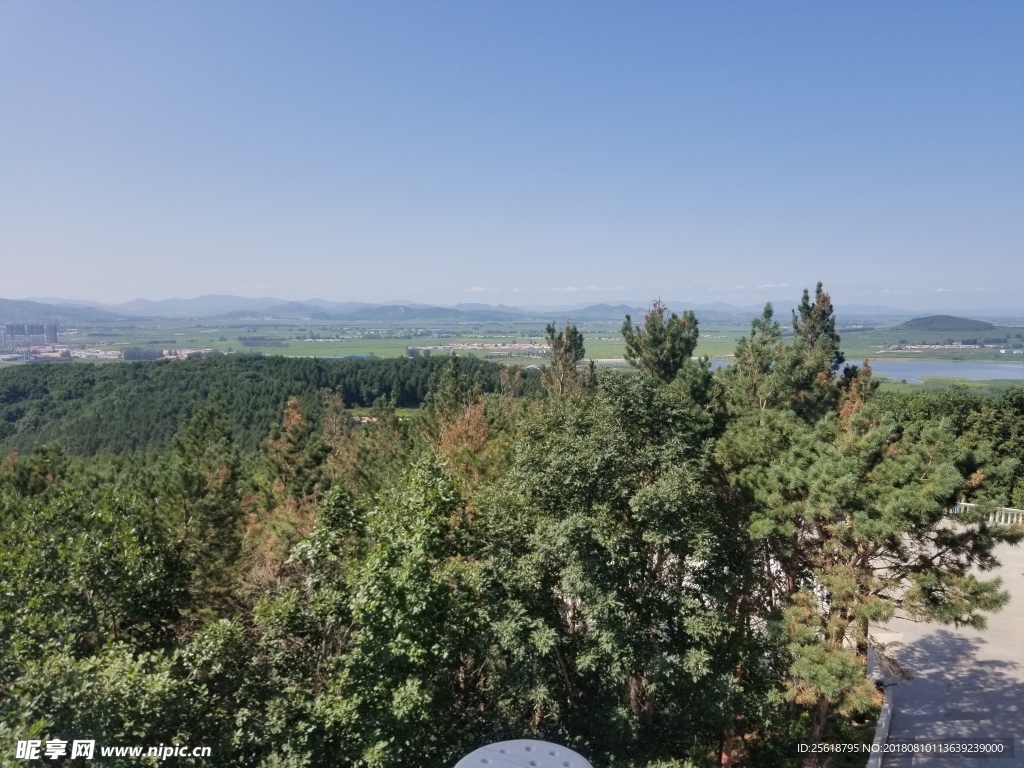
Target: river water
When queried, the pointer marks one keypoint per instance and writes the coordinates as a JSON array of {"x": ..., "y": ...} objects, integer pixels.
[{"x": 914, "y": 371}]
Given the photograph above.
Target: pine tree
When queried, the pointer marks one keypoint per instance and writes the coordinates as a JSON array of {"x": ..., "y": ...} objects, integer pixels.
[
  {"x": 661, "y": 346},
  {"x": 201, "y": 495},
  {"x": 567, "y": 351},
  {"x": 846, "y": 510}
]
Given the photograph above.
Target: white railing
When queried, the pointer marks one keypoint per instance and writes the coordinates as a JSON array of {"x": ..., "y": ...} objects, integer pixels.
[{"x": 1001, "y": 516}]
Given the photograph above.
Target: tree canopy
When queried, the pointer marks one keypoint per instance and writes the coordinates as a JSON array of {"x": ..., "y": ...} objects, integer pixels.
[
  {"x": 669, "y": 566},
  {"x": 662, "y": 345}
]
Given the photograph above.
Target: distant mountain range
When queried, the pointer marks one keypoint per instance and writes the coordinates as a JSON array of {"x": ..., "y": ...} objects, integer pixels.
[
  {"x": 25, "y": 311},
  {"x": 239, "y": 308},
  {"x": 226, "y": 307}
]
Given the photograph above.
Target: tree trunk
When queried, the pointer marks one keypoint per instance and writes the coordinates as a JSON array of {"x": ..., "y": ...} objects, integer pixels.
[{"x": 818, "y": 718}]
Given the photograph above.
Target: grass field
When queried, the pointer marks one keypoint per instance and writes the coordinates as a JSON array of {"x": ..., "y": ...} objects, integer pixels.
[
  {"x": 939, "y": 384},
  {"x": 878, "y": 343},
  {"x": 402, "y": 413},
  {"x": 603, "y": 340}
]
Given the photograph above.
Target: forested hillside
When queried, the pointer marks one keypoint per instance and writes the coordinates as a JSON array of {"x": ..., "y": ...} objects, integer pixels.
[
  {"x": 86, "y": 408},
  {"x": 943, "y": 323},
  {"x": 672, "y": 566}
]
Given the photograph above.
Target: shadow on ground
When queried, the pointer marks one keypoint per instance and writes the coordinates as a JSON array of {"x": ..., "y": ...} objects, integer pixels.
[{"x": 957, "y": 695}]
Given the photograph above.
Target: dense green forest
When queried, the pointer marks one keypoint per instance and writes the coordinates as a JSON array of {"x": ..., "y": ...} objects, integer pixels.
[
  {"x": 670, "y": 566},
  {"x": 88, "y": 408}
]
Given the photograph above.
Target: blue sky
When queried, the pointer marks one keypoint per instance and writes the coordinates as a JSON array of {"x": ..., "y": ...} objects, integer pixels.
[{"x": 514, "y": 152}]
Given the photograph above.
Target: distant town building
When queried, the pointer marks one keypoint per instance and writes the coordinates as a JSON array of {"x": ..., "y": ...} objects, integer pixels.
[{"x": 14, "y": 335}]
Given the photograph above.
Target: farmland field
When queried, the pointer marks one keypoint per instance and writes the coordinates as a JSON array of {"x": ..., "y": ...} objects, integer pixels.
[
  {"x": 941, "y": 383},
  {"x": 380, "y": 339},
  {"x": 603, "y": 340}
]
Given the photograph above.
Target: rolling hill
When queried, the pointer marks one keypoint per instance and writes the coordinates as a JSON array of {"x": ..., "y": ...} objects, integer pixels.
[
  {"x": 23, "y": 311},
  {"x": 945, "y": 323}
]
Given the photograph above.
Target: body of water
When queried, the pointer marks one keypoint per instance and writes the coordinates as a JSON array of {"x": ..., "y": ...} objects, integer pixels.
[{"x": 915, "y": 370}]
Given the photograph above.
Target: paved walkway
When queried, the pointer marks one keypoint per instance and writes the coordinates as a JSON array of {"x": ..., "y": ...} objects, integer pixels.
[{"x": 967, "y": 684}]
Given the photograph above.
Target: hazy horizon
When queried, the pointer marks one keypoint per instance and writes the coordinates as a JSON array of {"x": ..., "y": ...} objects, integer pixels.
[
  {"x": 940, "y": 302},
  {"x": 528, "y": 154},
  {"x": 211, "y": 305}
]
